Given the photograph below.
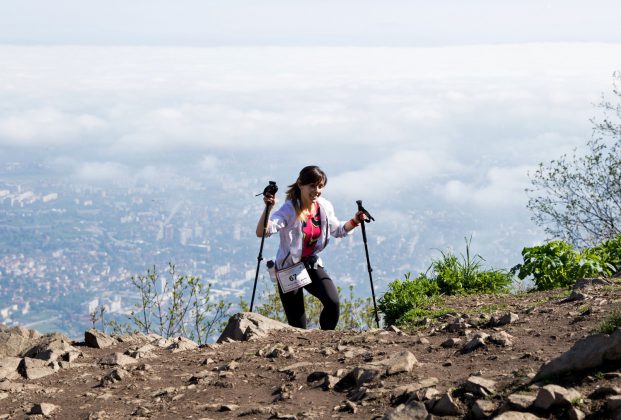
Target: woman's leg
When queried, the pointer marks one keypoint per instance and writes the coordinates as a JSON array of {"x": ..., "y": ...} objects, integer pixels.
[
  {"x": 293, "y": 304},
  {"x": 323, "y": 289}
]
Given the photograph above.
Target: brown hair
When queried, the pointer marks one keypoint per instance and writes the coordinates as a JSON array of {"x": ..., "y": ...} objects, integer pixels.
[{"x": 308, "y": 175}]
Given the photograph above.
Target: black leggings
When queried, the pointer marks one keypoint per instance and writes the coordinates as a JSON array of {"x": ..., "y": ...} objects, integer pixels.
[{"x": 323, "y": 289}]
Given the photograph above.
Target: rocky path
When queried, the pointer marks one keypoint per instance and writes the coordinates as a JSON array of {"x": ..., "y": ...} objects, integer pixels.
[{"x": 528, "y": 356}]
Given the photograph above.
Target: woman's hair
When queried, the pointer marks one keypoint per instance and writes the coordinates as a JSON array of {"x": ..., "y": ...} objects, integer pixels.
[{"x": 308, "y": 175}]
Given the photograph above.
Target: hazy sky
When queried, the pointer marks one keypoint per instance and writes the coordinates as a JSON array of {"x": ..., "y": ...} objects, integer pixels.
[
  {"x": 307, "y": 22},
  {"x": 407, "y": 104}
]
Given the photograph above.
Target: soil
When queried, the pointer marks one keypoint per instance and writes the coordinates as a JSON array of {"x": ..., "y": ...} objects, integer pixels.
[{"x": 256, "y": 379}]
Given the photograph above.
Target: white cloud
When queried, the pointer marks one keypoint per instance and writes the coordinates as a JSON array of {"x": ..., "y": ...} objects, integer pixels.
[
  {"x": 502, "y": 188},
  {"x": 46, "y": 127},
  {"x": 102, "y": 172},
  {"x": 390, "y": 176}
]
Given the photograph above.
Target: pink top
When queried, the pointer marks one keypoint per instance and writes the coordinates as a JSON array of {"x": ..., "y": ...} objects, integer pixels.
[{"x": 311, "y": 231}]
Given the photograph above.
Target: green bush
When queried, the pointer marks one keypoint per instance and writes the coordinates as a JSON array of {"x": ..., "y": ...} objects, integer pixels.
[
  {"x": 557, "y": 264},
  {"x": 610, "y": 253},
  {"x": 407, "y": 299}
]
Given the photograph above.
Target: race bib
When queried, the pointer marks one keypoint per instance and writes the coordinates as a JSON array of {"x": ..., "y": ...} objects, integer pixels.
[{"x": 292, "y": 278}]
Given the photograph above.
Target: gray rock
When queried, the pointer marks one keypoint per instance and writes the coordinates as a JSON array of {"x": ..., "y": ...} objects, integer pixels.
[
  {"x": 472, "y": 345},
  {"x": 451, "y": 342},
  {"x": 520, "y": 402},
  {"x": 35, "y": 368},
  {"x": 613, "y": 404},
  {"x": 97, "y": 339},
  {"x": 555, "y": 395},
  {"x": 248, "y": 325},
  {"x": 516, "y": 415},
  {"x": 142, "y": 352},
  {"x": 45, "y": 409},
  {"x": 480, "y": 387},
  {"x": 575, "y": 296},
  {"x": 604, "y": 392},
  {"x": 508, "y": 318},
  {"x": 397, "y": 363},
  {"x": 50, "y": 347},
  {"x": 575, "y": 414},
  {"x": 294, "y": 368},
  {"x": 482, "y": 409},
  {"x": 8, "y": 368},
  {"x": 356, "y": 377},
  {"x": 116, "y": 375},
  {"x": 117, "y": 359},
  {"x": 444, "y": 406},
  {"x": 182, "y": 344},
  {"x": 13, "y": 341},
  {"x": 587, "y": 353},
  {"x": 501, "y": 338},
  {"x": 412, "y": 411},
  {"x": 410, "y": 389}
]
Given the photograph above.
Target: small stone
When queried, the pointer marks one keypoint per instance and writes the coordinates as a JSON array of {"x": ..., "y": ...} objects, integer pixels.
[
  {"x": 480, "y": 386},
  {"x": 521, "y": 402},
  {"x": 451, "y": 342},
  {"x": 411, "y": 411},
  {"x": 444, "y": 406},
  {"x": 613, "y": 404},
  {"x": 117, "y": 359},
  {"x": 228, "y": 407},
  {"x": 473, "y": 344},
  {"x": 554, "y": 395},
  {"x": 482, "y": 409},
  {"x": 516, "y": 415},
  {"x": 45, "y": 409},
  {"x": 508, "y": 318},
  {"x": 575, "y": 414},
  {"x": 501, "y": 338}
]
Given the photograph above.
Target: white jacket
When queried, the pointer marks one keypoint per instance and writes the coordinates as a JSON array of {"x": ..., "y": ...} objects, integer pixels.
[{"x": 285, "y": 221}]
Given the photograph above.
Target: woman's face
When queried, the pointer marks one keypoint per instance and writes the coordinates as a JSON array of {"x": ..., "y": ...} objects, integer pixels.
[{"x": 310, "y": 192}]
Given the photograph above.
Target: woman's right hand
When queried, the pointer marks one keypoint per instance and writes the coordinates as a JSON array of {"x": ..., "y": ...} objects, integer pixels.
[{"x": 269, "y": 199}]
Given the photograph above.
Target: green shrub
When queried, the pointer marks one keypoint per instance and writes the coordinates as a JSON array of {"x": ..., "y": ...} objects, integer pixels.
[
  {"x": 407, "y": 299},
  {"x": 610, "y": 253},
  {"x": 611, "y": 323},
  {"x": 557, "y": 264}
]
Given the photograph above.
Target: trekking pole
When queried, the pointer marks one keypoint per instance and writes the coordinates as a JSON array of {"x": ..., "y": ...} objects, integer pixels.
[
  {"x": 270, "y": 189},
  {"x": 366, "y": 250}
]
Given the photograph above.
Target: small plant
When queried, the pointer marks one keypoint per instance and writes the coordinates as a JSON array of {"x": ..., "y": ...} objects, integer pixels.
[
  {"x": 456, "y": 276},
  {"x": 585, "y": 310},
  {"x": 611, "y": 323},
  {"x": 98, "y": 315},
  {"x": 175, "y": 305}
]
